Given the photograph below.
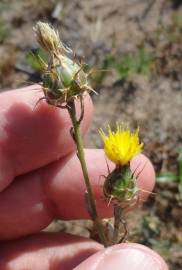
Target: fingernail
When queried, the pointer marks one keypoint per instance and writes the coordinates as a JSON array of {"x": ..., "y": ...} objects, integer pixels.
[{"x": 125, "y": 257}]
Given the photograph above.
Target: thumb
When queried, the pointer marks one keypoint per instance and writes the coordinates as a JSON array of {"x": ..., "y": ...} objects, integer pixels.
[{"x": 124, "y": 256}]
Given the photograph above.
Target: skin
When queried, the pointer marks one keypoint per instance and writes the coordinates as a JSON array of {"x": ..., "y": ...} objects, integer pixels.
[{"x": 41, "y": 179}]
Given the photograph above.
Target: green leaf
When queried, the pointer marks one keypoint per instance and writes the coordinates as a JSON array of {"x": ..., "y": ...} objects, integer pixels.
[
  {"x": 139, "y": 62},
  {"x": 180, "y": 190},
  {"x": 180, "y": 164},
  {"x": 35, "y": 59},
  {"x": 4, "y": 31},
  {"x": 180, "y": 172},
  {"x": 167, "y": 177}
]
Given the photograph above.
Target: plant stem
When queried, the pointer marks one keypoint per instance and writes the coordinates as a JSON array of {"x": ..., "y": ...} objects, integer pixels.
[
  {"x": 118, "y": 221},
  {"x": 80, "y": 152}
]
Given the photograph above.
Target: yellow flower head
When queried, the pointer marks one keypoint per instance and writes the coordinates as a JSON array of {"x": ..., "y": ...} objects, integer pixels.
[{"x": 122, "y": 145}]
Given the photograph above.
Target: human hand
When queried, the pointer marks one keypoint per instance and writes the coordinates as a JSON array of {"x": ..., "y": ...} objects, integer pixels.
[{"x": 41, "y": 179}]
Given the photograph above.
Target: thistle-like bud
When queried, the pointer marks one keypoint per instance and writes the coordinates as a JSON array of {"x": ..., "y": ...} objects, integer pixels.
[
  {"x": 120, "y": 187},
  {"x": 64, "y": 78}
]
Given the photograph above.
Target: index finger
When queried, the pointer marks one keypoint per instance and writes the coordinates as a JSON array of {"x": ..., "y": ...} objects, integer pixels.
[{"x": 33, "y": 136}]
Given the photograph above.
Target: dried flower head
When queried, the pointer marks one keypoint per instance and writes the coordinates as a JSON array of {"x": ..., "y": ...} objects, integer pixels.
[
  {"x": 122, "y": 145},
  {"x": 63, "y": 78},
  {"x": 47, "y": 37}
]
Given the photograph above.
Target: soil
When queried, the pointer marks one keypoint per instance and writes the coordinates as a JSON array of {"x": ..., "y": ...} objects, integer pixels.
[{"x": 97, "y": 30}]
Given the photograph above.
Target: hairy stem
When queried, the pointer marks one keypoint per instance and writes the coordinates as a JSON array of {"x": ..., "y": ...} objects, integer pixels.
[{"x": 89, "y": 193}]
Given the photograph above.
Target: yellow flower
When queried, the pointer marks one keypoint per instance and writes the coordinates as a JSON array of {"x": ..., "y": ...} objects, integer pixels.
[{"x": 122, "y": 145}]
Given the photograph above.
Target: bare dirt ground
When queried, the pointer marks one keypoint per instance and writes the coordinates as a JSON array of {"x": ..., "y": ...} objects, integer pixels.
[{"x": 97, "y": 30}]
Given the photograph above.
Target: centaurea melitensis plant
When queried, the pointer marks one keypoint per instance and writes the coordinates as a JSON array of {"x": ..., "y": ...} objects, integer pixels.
[{"x": 64, "y": 81}]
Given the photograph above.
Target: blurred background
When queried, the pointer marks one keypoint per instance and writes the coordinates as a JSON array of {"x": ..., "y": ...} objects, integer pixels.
[{"x": 139, "y": 45}]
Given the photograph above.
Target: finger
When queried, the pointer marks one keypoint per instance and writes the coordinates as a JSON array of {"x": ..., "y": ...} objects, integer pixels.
[
  {"x": 33, "y": 200},
  {"x": 31, "y": 135},
  {"x": 24, "y": 207},
  {"x": 125, "y": 257},
  {"x": 46, "y": 251},
  {"x": 145, "y": 175}
]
